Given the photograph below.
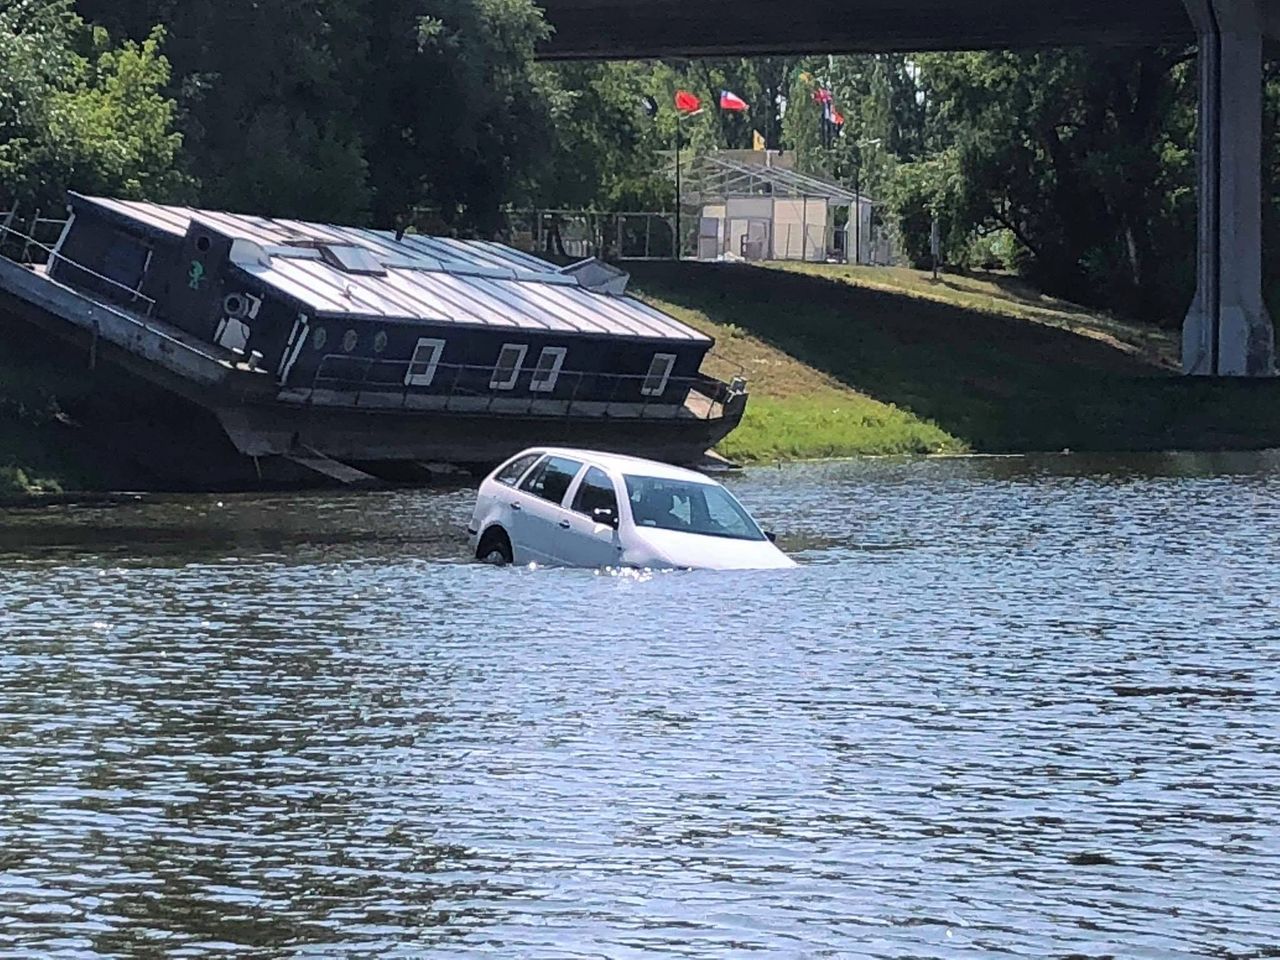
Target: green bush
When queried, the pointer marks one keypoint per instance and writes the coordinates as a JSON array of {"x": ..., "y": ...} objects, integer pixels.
[{"x": 15, "y": 481}]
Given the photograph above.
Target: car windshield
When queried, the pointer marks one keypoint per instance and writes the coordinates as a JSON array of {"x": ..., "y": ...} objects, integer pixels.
[{"x": 705, "y": 509}]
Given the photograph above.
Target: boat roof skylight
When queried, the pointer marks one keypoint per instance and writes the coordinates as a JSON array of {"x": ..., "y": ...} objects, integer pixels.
[{"x": 352, "y": 259}]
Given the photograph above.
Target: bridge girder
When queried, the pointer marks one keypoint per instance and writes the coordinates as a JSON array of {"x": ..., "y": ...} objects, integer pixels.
[{"x": 637, "y": 29}]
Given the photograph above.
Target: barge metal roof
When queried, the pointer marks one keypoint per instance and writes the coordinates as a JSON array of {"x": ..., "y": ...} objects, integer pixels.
[{"x": 415, "y": 277}]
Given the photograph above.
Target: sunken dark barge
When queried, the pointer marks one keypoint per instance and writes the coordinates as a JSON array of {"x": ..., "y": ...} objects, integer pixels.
[{"x": 330, "y": 345}]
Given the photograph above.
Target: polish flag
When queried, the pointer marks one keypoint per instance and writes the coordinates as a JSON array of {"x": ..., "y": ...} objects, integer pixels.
[
  {"x": 686, "y": 102},
  {"x": 731, "y": 101}
]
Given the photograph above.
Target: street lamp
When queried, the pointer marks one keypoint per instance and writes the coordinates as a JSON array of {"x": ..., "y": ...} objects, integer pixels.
[{"x": 857, "y": 197}]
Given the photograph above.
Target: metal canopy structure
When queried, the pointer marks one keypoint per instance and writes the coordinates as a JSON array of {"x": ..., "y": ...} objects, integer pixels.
[
  {"x": 618, "y": 29},
  {"x": 753, "y": 208},
  {"x": 714, "y": 179}
]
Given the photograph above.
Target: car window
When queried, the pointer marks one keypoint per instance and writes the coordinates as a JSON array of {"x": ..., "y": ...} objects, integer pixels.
[
  {"x": 689, "y": 507},
  {"x": 595, "y": 493},
  {"x": 514, "y": 470},
  {"x": 725, "y": 514},
  {"x": 550, "y": 479}
]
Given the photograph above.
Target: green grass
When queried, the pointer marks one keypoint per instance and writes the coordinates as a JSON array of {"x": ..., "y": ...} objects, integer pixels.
[
  {"x": 979, "y": 363},
  {"x": 798, "y": 412},
  {"x": 799, "y": 428},
  {"x": 841, "y": 362},
  {"x": 1004, "y": 295}
]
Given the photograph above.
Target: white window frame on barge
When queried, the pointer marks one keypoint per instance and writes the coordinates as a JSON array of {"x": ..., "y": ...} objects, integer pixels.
[
  {"x": 545, "y": 377},
  {"x": 655, "y": 381},
  {"x": 432, "y": 361},
  {"x": 495, "y": 381}
]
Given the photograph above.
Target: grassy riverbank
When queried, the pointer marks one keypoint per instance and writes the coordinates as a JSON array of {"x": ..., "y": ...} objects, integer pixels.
[
  {"x": 841, "y": 361},
  {"x": 847, "y": 361}
]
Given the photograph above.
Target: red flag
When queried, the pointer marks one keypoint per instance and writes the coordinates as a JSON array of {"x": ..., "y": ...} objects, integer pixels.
[
  {"x": 686, "y": 102},
  {"x": 837, "y": 118},
  {"x": 731, "y": 101}
]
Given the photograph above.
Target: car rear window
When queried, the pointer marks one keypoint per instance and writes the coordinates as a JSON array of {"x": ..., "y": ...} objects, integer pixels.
[
  {"x": 513, "y": 471},
  {"x": 550, "y": 479}
]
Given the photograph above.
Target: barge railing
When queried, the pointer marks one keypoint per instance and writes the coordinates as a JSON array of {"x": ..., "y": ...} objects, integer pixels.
[
  {"x": 464, "y": 388},
  {"x": 50, "y": 255},
  {"x": 24, "y": 260}
]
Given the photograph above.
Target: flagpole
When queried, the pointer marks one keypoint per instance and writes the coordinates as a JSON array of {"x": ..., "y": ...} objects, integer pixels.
[
  {"x": 857, "y": 194},
  {"x": 679, "y": 117}
]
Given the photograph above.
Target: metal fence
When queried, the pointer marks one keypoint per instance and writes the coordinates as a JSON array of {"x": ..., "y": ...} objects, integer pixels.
[
  {"x": 577, "y": 234},
  {"x": 760, "y": 239}
]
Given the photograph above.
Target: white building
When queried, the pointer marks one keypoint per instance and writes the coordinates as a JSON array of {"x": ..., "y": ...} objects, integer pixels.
[{"x": 753, "y": 206}]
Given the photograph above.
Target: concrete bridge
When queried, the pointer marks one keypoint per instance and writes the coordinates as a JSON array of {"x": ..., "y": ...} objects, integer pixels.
[{"x": 1227, "y": 331}]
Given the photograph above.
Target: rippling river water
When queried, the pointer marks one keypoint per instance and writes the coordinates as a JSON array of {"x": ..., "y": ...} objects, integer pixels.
[{"x": 1025, "y": 707}]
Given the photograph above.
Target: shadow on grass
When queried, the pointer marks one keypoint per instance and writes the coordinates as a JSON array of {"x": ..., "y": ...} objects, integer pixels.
[
  {"x": 998, "y": 383},
  {"x": 1011, "y": 288}
]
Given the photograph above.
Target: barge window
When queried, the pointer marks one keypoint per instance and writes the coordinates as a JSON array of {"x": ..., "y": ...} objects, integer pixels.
[
  {"x": 514, "y": 470},
  {"x": 551, "y": 479},
  {"x": 655, "y": 382},
  {"x": 547, "y": 372},
  {"x": 507, "y": 370},
  {"x": 126, "y": 264},
  {"x": 422, "y": 367}
]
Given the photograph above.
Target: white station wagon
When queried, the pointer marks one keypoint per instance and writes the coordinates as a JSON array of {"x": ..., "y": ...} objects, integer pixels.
[{"x": 576, "y": 508}]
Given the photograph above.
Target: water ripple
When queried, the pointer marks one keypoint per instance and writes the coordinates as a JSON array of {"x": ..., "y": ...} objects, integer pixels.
[{"x": 1005, "y": 707}]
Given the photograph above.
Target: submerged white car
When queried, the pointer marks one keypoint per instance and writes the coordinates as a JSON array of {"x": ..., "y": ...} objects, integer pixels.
[{"x": 576, "y": 508}]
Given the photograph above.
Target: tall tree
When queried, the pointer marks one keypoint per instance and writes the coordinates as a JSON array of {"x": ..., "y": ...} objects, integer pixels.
[
  {"x": 608, "y": 150},
  {"x": 1084, "y": 157},
  {"x": 78, "y": 112},
  {"x": 269, "y": 122},
  {"x": 452, "y": 108}
]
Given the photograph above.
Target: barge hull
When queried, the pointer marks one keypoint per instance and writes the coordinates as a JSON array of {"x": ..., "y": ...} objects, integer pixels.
[{"x": 467, "y": 440}]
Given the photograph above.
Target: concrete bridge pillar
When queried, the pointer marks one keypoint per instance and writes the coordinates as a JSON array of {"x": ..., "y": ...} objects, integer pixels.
[{"x": 1228, "y": 331}]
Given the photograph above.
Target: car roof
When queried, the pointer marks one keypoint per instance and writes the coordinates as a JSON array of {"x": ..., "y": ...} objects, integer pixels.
[{"x": 621, "y": 463}]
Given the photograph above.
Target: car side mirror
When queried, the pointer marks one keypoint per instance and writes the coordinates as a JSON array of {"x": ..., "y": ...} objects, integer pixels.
[
  {"x": 605, "y": 516},
  {"x": 771, "y": 536}
]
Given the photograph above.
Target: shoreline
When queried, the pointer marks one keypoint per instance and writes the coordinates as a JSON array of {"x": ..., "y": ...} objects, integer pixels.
[
  {"x": 840, "y": 366},
  {"x": 106, "y": 498}
]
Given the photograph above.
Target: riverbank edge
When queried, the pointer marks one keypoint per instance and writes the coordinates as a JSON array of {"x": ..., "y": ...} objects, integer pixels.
[
  {"x": 807, "y": 403},
  {"x": 974, "y": 364}
]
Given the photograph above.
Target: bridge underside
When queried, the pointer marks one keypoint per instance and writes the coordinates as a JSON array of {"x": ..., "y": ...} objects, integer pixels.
[
  {"x": 1228, "y": 331},
  {"x": 634, "y": 29}
]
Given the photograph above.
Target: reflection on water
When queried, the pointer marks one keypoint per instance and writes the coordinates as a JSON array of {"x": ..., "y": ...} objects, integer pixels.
[{"x": 1005, "y": 706}]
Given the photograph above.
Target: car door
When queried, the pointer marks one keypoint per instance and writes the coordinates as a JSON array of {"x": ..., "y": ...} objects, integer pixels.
[
  {"x": 540, "y": 518},
  {"x": 593, "y": 540},
  {"x": 499, "y": 496}
]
